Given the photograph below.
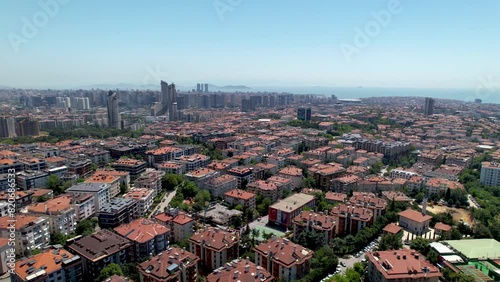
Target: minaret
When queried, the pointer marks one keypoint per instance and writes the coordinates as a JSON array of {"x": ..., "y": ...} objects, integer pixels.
[{"x": 424, "y": 205}]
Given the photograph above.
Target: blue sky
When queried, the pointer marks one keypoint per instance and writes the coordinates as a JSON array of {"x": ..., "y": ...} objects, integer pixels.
[{"x": 427, "y": 44}]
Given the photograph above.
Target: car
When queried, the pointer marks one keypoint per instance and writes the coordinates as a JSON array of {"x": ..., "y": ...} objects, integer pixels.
[
  {"x": 342, "y": 263},
  {"x": 363, "y": 260}
]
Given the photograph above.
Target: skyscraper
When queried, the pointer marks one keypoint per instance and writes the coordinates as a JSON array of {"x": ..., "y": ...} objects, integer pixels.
[
  {"x": 304, "y": 113},
  {"x": 171, "y": 99},
  {"x": 429, "y": 107},
  {"x": 7, "y": 127},
  {"x": 198, "y": 87},
  {"x": 114, "y": 119},
  {"x": 206, "y": 87}
]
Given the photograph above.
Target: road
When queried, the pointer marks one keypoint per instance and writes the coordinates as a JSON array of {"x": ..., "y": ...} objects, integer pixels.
[
  {"x": 164, "y": 202},
  {"x": 472, "y": 202}
]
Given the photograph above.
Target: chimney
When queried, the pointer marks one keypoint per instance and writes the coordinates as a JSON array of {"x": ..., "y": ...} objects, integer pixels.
[
  {"x": 257, "y": 270},
  {"x": 294, "y": 249},
  {"x": 236, "y": 274},
  {"x": 247, "y": 268}
]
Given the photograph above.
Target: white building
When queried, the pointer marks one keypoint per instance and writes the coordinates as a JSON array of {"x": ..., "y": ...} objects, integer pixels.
[
  {"x": 30, "y": 232},
  {"x": 490, "y": 174}
]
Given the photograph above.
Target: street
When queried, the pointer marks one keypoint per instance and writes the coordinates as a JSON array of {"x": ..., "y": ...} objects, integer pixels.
[{"x": 164, "y": 203}]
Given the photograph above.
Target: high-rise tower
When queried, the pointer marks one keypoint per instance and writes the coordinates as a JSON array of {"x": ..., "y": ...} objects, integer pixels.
[{"x": 114, "y": 119}]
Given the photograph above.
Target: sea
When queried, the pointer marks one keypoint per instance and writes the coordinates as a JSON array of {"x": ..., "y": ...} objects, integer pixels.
[{"x": 467, "y": 95}]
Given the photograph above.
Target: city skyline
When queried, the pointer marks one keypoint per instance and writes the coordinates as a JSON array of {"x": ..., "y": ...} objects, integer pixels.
[{"x": 255, "y": 43}]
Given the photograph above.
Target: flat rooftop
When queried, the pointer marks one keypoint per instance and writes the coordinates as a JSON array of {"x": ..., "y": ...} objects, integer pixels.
[
  {"x": 293, "y": 202},
  {"x": 477, "y": 248}
]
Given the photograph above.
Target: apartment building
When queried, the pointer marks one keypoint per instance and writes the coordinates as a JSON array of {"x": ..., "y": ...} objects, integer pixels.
[
  {"x": 325, "y": 175},
  {"x": 214, "y": 247},
  {"x": 31, "y": 179},
  {"x": 434, "y": 186},
  {"x": 123, "y": 175},
  {"x": 285, "y": 260},
  {"x": 240, "y": 270},
  {"x": 144, "y": 198},
  {"x": 59, "y": 212},
  {"x": 31, "y": 232},
  {"x": 99, "y": 191},
  {"x": 180, "y": 223},
  {"x": 242, "y": 174},
  {"x": 173, "y": 264},
  {"x": 240, "y": 197},
  {"x": 84, "y": 205},
  {"x": 267, "y": 189},
  {"x": 163, "y": 154},
  {"x": 193, "y": 162},
  {"x": 202, "y": 177},
  {"x": 490, "y": 173},
  {"x": 351, "y": 219},
  {"x": 150, "y": 179},
  {"x": 400, "y": 265},
  {"x": 22, "y": 198},
  {"x": 8, "y": 164},
  {"x": 117, "y": 212},
  {"x": 346, "y": 183},
  {"x": 132, "y": 166},
  {"x": 99, "y": 250},
  {"x": 318, "y": 223},
  {"x": 370, "y": 201},
  {"x": 293, "y": 173},
  {"x": 147, "y": 237},
  {"x": 52, "y": 265},
  {"x": 80, "y": 167},
  {"x": 173, "y": 167}
]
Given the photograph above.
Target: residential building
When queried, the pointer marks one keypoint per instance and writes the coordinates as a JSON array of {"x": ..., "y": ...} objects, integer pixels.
[
  {"x": 100, "y": 192},
  {"x": 267, "y": 189},
  {"x": 400, "y": 265},
  {"x": 174, "y": 264},
  {"x": 346, "y": 183},
  {"x": 243, "y": 175},
  {"x": 304, "y": 114},
  {"x": 59, "y": 212},
  {"x": 201, "y": 177},
  {"x": 150, "y": 179},
  {"x": 293, "y": 173},
  {"x": 193, "y": 162},
  {"x": 124, "y": 176},
  {"x": 99, "y": 250},
  {"x": 6, "y": 165},
  {"x": 117, "y": 212},
  {"x": 180, "y": 223},
  {"x": 325, "y": 175},
  {"x": 351, "y": 219},
  {"x": 52, "y": 265},
  {"x": 173, "y": 167},
  {"x": 104, "y": 178},
  {"x": 240, "y": 197},
  {"x": 219, "y": 215},
  {"x": 163, "y": 154},
  {"x": 490, "y": 173},
  {"x": 434, "y": 186},
  {"x": 114, "y": 119},
  {"x": 214, "y": 247},
  {"x": 147, "y": 237},
  {"x": 82, "y": 168},
  {"x": 83, "y": 203},
  {"x": 285, "y": 260},
  {"x": 333, "y": 198},
  {"x": 221, "y": 184},
  {"x": 31, "y": 179},
  {"x": 240, "y": 270},
  {"x": 429, "y": 106},
  {"x": 284, "y": 211},
  {"x": 132, "y": 166},
  {"x": 23, "y": 198},
  {"x": 144, "y": 198},
  {"x": 31, "y": 232},
  {"x": 370, "y": 201},
  {"x": 318, "y": 223}
]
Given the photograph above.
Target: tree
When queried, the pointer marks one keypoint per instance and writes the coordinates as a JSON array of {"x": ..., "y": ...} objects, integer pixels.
[
  {"x": 309, "y": 239},
  {"x": 110, "y": 270},
  {"x": 264, "y": 206},
  {"x": 53, "y": 182},
  {"x": 421, "y": 245},
  {"x": 239, "y": 208},
  {"x": 202, "y": 199},
  {"x": 169, "y": 181},
  {"x": 130, "y": 271},
  {"x": 481, "y": 231},
  {"x": 433, "y": 257},
  {"x": 85, "y": 227},
  {"x": 390, "y": 242},
  {"x": 123, "y": 188}
]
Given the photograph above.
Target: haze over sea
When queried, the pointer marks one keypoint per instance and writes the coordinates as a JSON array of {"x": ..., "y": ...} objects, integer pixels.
[{"x": 468, "y": 95}]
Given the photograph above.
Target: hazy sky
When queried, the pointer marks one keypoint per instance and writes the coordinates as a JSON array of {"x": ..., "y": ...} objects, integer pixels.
[{"x": 424, "y": 43}]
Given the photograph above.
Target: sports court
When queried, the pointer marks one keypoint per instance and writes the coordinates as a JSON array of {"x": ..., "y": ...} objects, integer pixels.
[{"x": 477, "y": 248}]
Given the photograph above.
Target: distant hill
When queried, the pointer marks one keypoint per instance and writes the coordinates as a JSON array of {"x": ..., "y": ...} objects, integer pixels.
[{"x": 5, "y": 87}]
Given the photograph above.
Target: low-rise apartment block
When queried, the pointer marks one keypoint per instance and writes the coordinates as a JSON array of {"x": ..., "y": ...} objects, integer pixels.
[
  {"x": 31, "y": 232},
  {"x": 214, "y": 247},
  {"x": 283, "y": 212},
  {"x": 240, "y": 197}
]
